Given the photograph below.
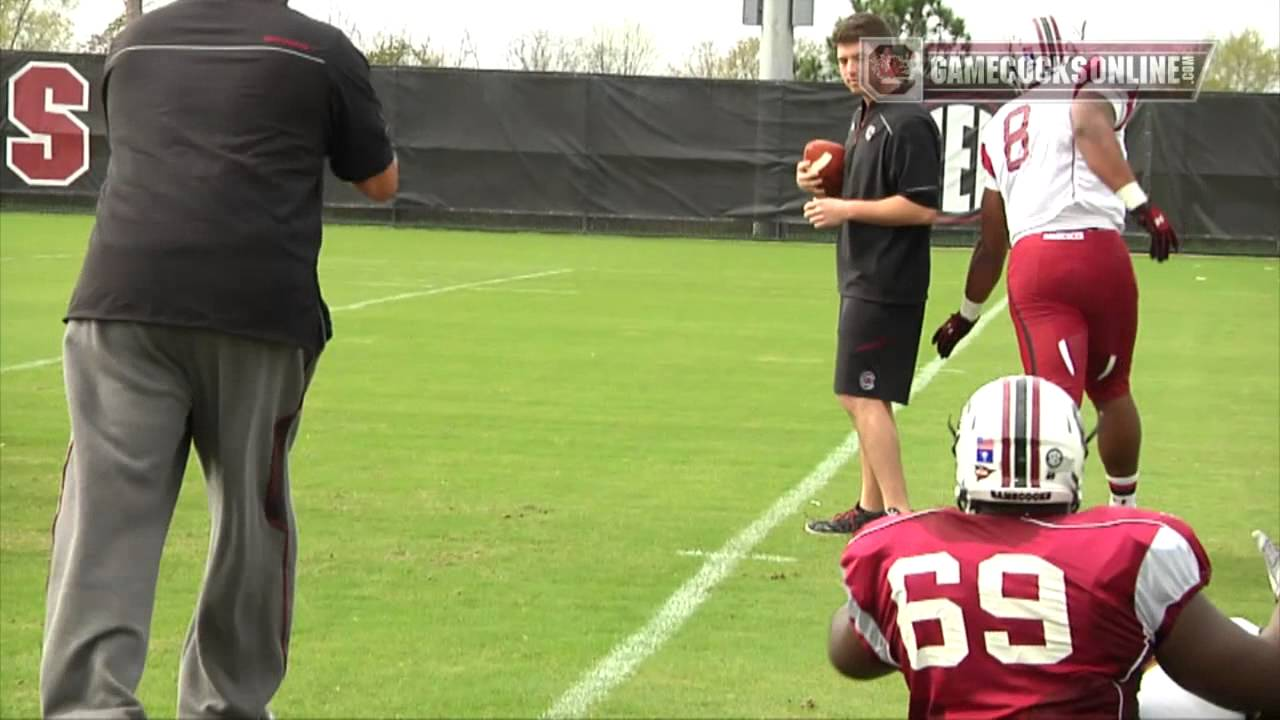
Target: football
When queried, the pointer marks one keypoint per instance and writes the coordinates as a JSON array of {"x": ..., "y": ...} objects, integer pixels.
[{"x": 827, "y": 159}]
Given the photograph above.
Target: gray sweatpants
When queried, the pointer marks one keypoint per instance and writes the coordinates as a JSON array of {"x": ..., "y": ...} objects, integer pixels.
[{"x": 139, "y": 396}]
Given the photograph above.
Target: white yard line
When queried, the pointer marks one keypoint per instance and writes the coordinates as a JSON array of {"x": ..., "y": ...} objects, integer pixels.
[
  {"x": 30, "y": 365},
  {"x": 790, "y": 360},
  {"x": 354, "y": 306},
  {"x": 448, "y": 288},
  {"x": 392, "y": 284},
  {"x": 524, "y": 291},
  {"x": 10, "y": 258},
  {"x": 614, "y": 668},
  {"x": 762, "y": 557}
]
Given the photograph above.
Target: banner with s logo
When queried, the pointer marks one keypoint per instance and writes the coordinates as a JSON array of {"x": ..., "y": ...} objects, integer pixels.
[{"x": 52, "y": 123}]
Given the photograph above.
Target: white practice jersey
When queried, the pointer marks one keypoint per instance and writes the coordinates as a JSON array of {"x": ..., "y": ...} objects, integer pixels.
[{"x": 1029, "y": 155}]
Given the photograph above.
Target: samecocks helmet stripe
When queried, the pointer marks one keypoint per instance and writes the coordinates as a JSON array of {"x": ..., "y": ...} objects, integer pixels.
[{"x": 1035, "y": 428}]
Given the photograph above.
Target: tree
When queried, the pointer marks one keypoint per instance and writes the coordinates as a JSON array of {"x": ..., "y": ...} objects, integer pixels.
[
  {"x": 37, "y": 25},
  {"x": 539, "y": 51},
  {"x": 703, "y": 61},
  {"x": 741, "y": 62},
  {"x": 100, "y": 43},
  {"x": 400, "y": 49},
  {"x": 467, "y": 54},
  {"x": 625, "y": 51},
  {"x": 1242, "y": 63},
  {"x": 811, "y": 63},
  {"x": 928, "y": 19},
  {"x": 346, "y": 24}
]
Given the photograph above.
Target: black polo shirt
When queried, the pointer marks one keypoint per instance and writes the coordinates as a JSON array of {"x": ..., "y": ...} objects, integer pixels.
[
  {"x": 220, "y": 117},
  {"x": 892, "y": 149}
]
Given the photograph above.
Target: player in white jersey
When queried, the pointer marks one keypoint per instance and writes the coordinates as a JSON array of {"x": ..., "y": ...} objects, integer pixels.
[
  {"x": 1058, "y": 185},
  {"x": 1029, "y": 156}
]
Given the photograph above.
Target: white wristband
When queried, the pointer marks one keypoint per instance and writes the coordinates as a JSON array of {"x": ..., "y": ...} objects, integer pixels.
[
  {"x": 1131, "y": 195},
  {"x": 969, "y": 309}
]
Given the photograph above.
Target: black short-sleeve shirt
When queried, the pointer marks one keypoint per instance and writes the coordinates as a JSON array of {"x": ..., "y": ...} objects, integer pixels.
[
  {"x": 221, "y": 115},
  {"x": 893, "y": 148}
]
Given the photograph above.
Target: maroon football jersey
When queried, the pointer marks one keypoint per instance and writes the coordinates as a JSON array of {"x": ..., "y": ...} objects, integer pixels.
[{"x": 991, "y": 616}]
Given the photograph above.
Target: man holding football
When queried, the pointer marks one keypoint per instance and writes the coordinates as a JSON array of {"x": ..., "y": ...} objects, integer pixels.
[
  {"x": 1058, "y": 186},
  {"x": 994, "y": 610},
  {"x": 893, "y": 157}
]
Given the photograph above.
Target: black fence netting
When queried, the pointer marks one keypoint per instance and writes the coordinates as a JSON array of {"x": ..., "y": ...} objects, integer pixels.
[{"x": 519, "y": 150}]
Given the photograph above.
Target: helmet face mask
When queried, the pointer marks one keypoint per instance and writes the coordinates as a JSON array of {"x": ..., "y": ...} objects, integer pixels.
[{"x": 1020, "y": 445}]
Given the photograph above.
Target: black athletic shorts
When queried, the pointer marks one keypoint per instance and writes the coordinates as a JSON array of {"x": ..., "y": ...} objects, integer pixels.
[{"x": 876, "y": 349}]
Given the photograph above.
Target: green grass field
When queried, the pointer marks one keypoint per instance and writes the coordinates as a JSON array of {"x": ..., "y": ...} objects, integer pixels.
[{"x": 498, "y": 483}]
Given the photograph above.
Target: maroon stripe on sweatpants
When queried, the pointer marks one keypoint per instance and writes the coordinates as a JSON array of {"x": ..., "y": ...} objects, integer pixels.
[
  {"x": 62, "y": 487},
  {"x": 278, "y": 518},
  {"x": 57, "y": 511}
]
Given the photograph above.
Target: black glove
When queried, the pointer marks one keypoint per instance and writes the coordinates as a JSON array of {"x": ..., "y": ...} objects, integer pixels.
[
  {"x": 1163, "y": 239},
  {"x": 951, "y": 332}
]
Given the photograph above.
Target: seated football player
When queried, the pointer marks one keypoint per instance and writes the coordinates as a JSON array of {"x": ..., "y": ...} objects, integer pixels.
[
  {"x": 1160, "y": 698},
  {"x": 1018, "y": 604}
]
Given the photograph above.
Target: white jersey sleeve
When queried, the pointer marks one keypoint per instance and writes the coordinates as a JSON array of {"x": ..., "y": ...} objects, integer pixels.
[
  {"x": 1123, "y": 101},
  {"x": 1123, "y": 105},
  {"x": 990, "y": 144},
  {"x": 1170, "y": 574},
  {"x": 988, "y": 168}
]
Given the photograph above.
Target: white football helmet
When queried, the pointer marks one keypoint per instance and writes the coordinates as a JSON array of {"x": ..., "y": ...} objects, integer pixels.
[
  {"x": 1020, "y": 442},
  {"x": 1039, "y": 40}
]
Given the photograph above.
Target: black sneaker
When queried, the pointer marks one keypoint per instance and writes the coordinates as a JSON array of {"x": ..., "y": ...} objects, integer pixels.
[{"x": 848, "y": 522}]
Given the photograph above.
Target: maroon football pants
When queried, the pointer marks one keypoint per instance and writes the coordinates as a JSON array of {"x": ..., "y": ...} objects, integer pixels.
[{"x": 1074, "y": 301}]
